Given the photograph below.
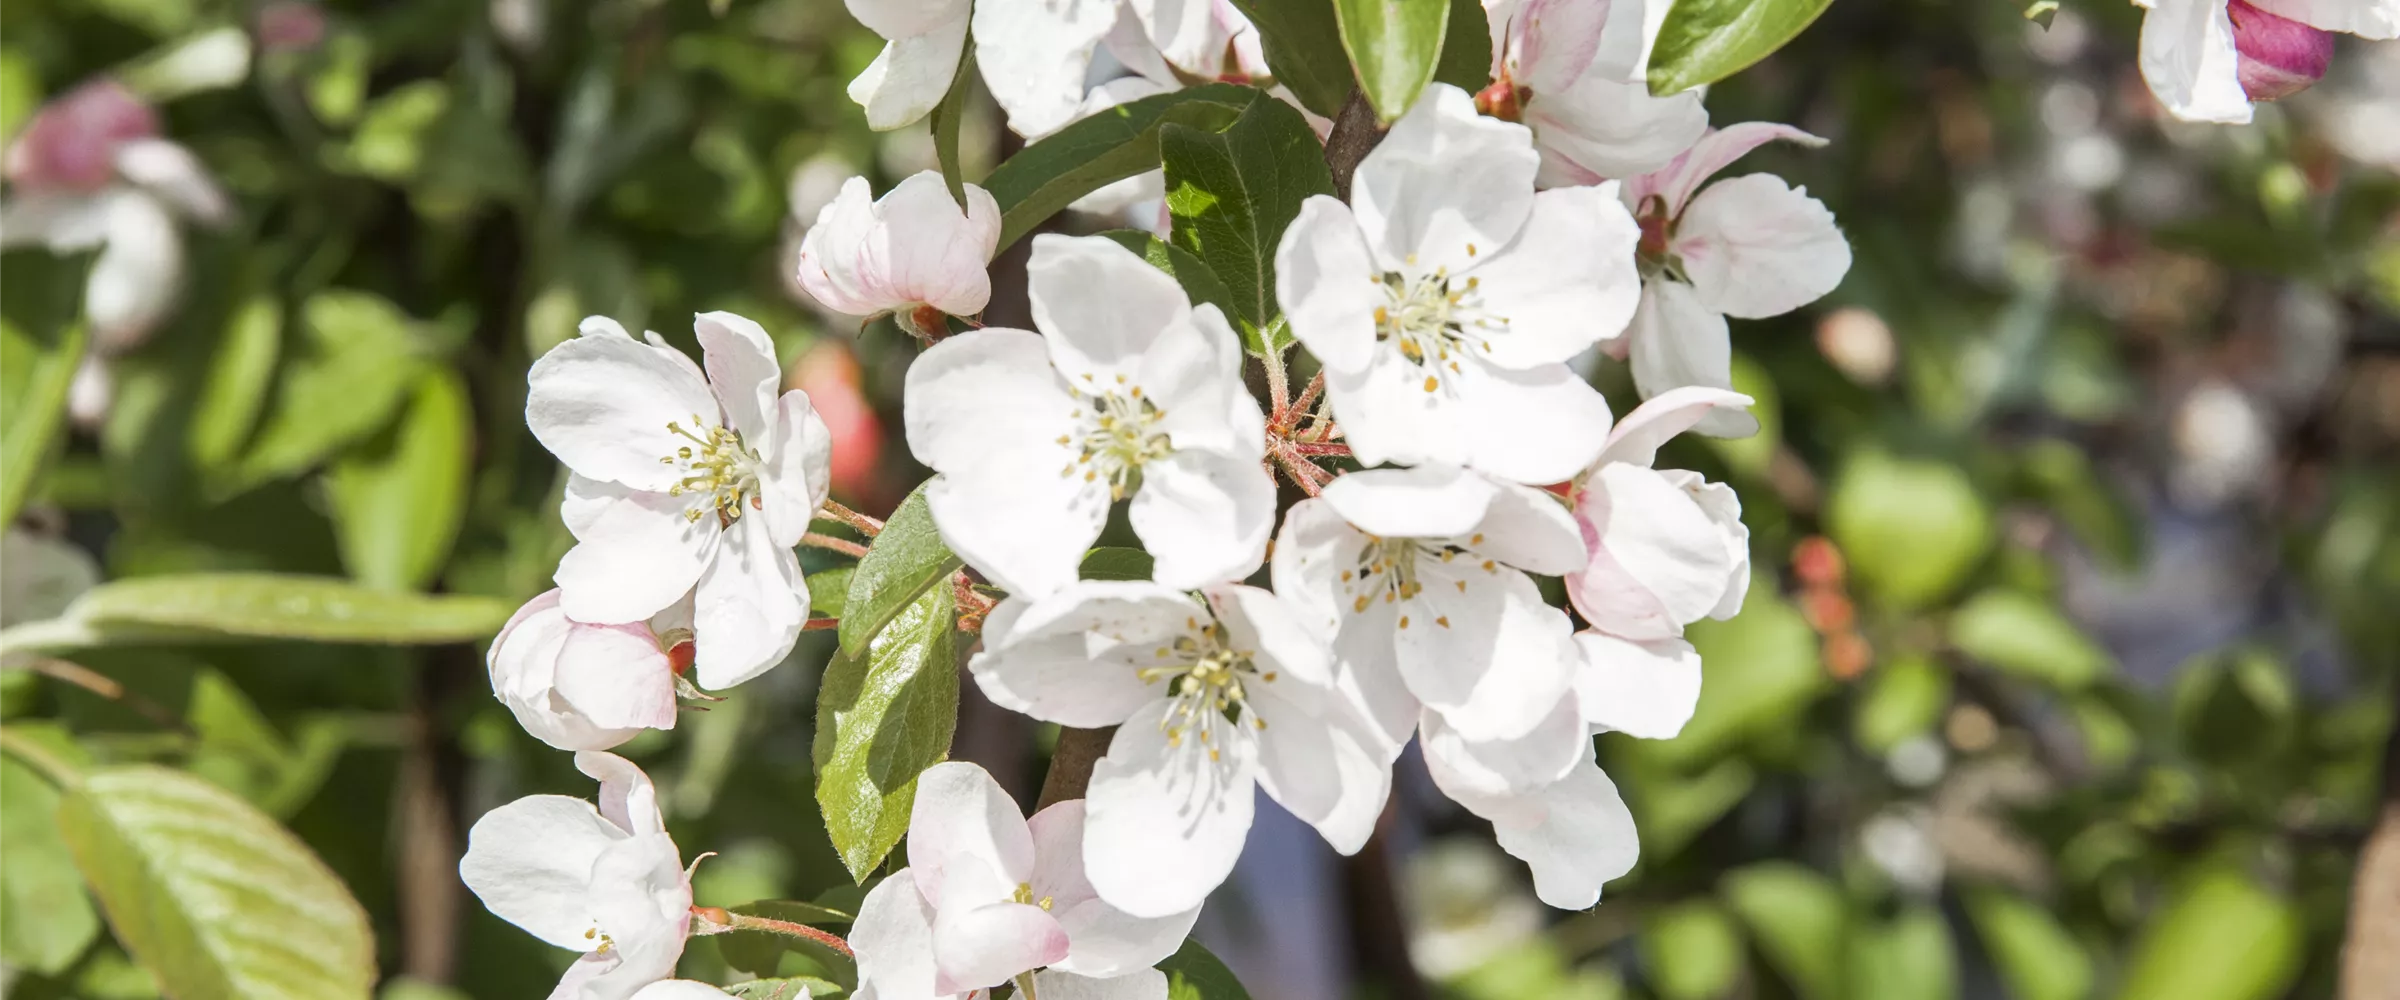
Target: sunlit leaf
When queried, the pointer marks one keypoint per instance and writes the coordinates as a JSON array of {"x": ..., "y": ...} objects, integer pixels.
[
  {"x": 1395, "y": 45},
  {"x": 2036, "y": 957},
  {"x": 45, "y": 919},
  {"x": 1195, "y": 974},
  {"x": 399, "y": 498},
  {"x": 1693, "y": 950},
  {"x": 1800, "y": 920},
  {"x": 2029, "y": 637},
  {"x": 1302, "y": 40},
  {"x": 183, "y": 607},
  {"x": 1103, "y": 148},
  {"x": 1910, "y": 529},
  {"x": 883, "y": 717},
  {"x": 905, "y": 561},
  {"x": 1703, "y": 41},
  {"x": 1233, "y": 192}
]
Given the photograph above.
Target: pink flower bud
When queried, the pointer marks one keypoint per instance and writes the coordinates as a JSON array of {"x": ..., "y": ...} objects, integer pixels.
[
  {"x": 2279, "y": 56},
  {"x": 71, "y": 144},
  {"x": 290, "y": 26}
]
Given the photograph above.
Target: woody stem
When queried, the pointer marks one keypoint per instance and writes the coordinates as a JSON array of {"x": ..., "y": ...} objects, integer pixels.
[
  {"x": 867, "y": 526},
  {"x": 746, "y": 922},
  {"x": 841, "y": 545}
]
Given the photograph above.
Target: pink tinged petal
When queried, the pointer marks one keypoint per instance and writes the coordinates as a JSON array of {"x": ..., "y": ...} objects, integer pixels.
[
  {"x": 1566, "y": 283},
  {"x": 1626, "y": 42},
  {"x": 2279, "y": 56},
  {"x": 627, "y": 796},
  {"x": 530, "y": 862},
  {"x": 2364, "y": 18},
  {"x": 685, "y": 989},
  {"x": 1204, "y": 516},
  {"x": 1138, "y": 984},
  {"x": 1321, "y": 759},
  {"x": 1554, "y": 41},
  {"x": 1101, "y": 336},
  {"x": 1054, "y": 677},
  {"x": 1166, "y": 819},
  {"x": 902, "y": 18},
  {"x": 1478, "y": 645},
  {"x": 832, "y": 250},
  {"x": 70, "y": 145},
  {"x": 894, "y": 940},
  {"x": 961, "y": 813},
  {"x": 740, "y": 360},
  {"x": 980, "y": 945},
  {"x": 1530, "y": 530},
  {"x": 748, "y": 607},
  {"x": 635, "y": 553},
  {"x": 1678, "y": 181},
  {"x": 1755, "y": 247},
  {"x": 1678, "y": 341},
  {"x": 1427, "y": 501},
  {"x": 1444, "y": 179},
  {"x": 1035, "y": 55},
  {"x": 1723, "y": 508},
  {"x": 524, "y": 663},
  {"x": 1516, "y": 765},
  {"x": 1193, "y": 374},
  {"x": 1637, "y": 438},
  {"x": 1128, "y": 42},
  {"x": 1186, "y": 32},
  {"x": 2188, "y": 58},
  {"x": 924, "y": 249},
  {"x": 617, "y": 677},
  {"x": 1329, "y": 285},
  {"x": 986, "y": 410},
  {"x": 1658, "y": 560},
  {"x": 796, "y": 468},
  {"x": 1541, "y": 425},
  {"x": 1645, "y": 689},
  {"x": 1102, "y": 940},
  {"x": 602, "y": 405},
  {"x": 1601, "y": 129},
  {"x": 910, "y": 76},
  {"x": 138, "y": 274}
]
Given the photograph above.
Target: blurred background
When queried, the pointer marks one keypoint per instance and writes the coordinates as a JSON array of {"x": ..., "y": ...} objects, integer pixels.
[{"x": 2070, "y": 670}]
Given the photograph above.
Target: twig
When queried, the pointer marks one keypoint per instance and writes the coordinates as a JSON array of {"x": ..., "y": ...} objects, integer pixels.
[
  {"x": 867, "y": 526},
  {"x": 1355, "y": 132},
  {"x": 715, "y": 920},
  {"x": 1071, "y": 764},
  {"x": 1290, "y": 416},
  {"x": 101, "y": 684},
  {"x": 1279, "y": 382},
  {"x": 841, "y": 545},
  {"x": 821, "y": 625}
]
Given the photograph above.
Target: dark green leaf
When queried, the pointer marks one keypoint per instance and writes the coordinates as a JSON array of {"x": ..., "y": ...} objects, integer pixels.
[
  {"x": 828, "y": 590},
  {"x": 259, "y": 606},
  {"x": 1110, "y": 562},
  {"x": 946, "y": 118},
  {"x": 2036, "y": 957},
  {"x": 237, "y": 383},
  {"x": 1800, "y": 920},
  {"x": 2024, "y": 635},
  {"x": 1194, "y": 974},
  {"x": 398, "y": 499},
  {"x": 1395, "y": 45},
  {"x": 1302, "y": 40},
  {"x": 1232, "y": 194},
  {"x": 1102, "y": 149},
  {"x": 35, "y": 416},
  {"x": 1198, "y": 282},
  {"x": 1704, "y": 41},
  {"x": 45, "y": 919},
  {"x": 1466, "y": 61},
  {"x": 210, "y": 895},
  {"x": 905, "y": 561},
  {"x": 882, "y": 718}
]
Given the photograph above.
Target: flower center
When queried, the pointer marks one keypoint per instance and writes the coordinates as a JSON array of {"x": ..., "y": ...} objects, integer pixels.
[
  {"x": 1025, "y": 895},
  {"x": 1390, "y": 567},
  {"x": 1118, "y": 432},
  {"x": 1208, "y": 683},
  {"x": 1653, "y": 256},
  {"x": 593, "y": 933},
  {"x": 716, "y": 465},
  {"x": 1431, "y": 319}
]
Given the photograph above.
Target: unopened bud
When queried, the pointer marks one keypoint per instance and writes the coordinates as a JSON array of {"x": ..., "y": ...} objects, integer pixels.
[
  {"x": 923, "y": 322},
  {"x": 2279, "y": 57},
  {"x": 711, "y": 920},
  {"x": 1503, "y": 100}
]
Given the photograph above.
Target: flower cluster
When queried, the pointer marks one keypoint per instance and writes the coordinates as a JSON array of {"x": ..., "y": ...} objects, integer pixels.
[{"x": 2208, "y": 60}]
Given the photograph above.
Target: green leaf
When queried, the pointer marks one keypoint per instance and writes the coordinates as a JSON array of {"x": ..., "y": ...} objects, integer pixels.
[
  {"x": 399, "y": 499},
  {"x": 1904, "y": 697},
  {"x": 1099, "y": 150},
  {"x": 1199, "y": 283},
  {"x": 2041, "y": 12},
  {"x": 1909, "y": 958},
  {"x": 258, "y": 606},
  {"x": 882, "y": 718},
  {"x": 2024, "y": 635},
  {"x": 1693, "y": 950},
  {"x": 1110, "y": 562},
  {"x": 787, "y": 988},
  {"x": 2063, "y": 477},
  {"x": 1799, "y": 919},
  {"x": 237, "y": 383},
  {"x": 1194, "y": 974},
  {"x": 1395, "y": 45},
  {"x": 1466, "y": 61},
  {"x": 905, "y": 561},
  {"x": 1910, "y": 529},
  {"x": 2036, "y": 957},
  {"x": 1704, "y": 41},
  {"x": 1232, "y": 194},
  {"x": 210, "y": 895},
  {"x": 45, "y": 919},
  {"x": 1302, "y": 40},
  {"x": 828, "y": 590},
  {"x": 760, "y": 953},
  {"x": 946, "y": 118},
  {"x": 1764, "y": 666},
  {"x": 360, "y": 368},
  {"x": 35, "y": 416}
]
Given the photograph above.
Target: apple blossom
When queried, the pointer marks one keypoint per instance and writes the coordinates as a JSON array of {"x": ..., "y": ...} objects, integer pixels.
[
  {"x": 924, "y": 41},
  {"x": 1445, "y": 299},
  {"x": 1130, "y": 391},
  {"x": 912, "y": 253},
  {"x": 1664, "y": 548},
  {"x": 1574, "y": 833},
  {"x": 2207, "y": 60},
  {"x": 1199, "y": 39},
  {"x": 684, "y": 483},
  {"x": 1214, "y": 695},
  {"x": 685, "y": 989},
  {"x": 605, "y": 881},
  {"x": 1590, "y": 124},
  {"x": 1750, "y": 246},
  {"x": 587, "y": 687},
  {"x": 990, "y": 896}
]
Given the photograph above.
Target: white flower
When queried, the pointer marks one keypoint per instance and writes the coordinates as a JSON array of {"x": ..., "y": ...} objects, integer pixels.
[
  {"x": 911, "y": 253},
  {"x": 925, "y": 39},
  {"x": 684, "y": 484},
  {"x": 586, "y": 687},
  {"x": 607, "y": 882},
  {"x": 1446, "y": 298},
  {"x": 1590, "y": 118},
  {"x": 1575, "y": 833},
  {"x": 989, "y": 896},
  {"x": 1130, "y": 392},
  {"x": 2207, "y": 60},
  {"x": 685, "y": 989},
  {"x": 1751, "y": 247},
  {"x": 1034, "y": 55},
  {"x": 1418, "y": 578},
  {"x": 1201, "y": 39},
  {"x": 1213, "y": 696},
  {"x": 1664, "y": 548}
]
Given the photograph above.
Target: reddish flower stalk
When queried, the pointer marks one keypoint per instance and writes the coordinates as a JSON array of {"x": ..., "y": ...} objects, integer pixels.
[
  {"x": 867, "y": 526},
  {"x": 716, "y": 920},
  {"x": 841, "y": 545}
]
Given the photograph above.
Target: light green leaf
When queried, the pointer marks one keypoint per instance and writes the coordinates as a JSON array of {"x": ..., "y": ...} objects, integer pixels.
[
  {"x": 787, "y": 988},
  {"x": 1302, "y": 40},
  {"x": 1911, "y": 530},
  {"x": 359, "y": 369},
  {"x": 1101, "y": 149},
  {"x": 2026, "y": 636},
  {"x": 1672, "y": 807},
  {"x": 1232, "y": 194},
  {"x": 1395, "y": 45},
  {"x": 905, "y": 561},
  {"x": 882, "y": 718},
  {"x": 2036, "y": 957},
  {"x": 237, "y": 382},
  {"x": 20, "y": 91},
  {"x": 946, "y": 118},
  {"x": 45, "y": 919},
  {"x": 34, "y": 417},
  {"x": 1199, "y": 283},
  {"x": 182, "y": 607},
  {"x": 1904, "y": 697},
  {"x": 1910, "y": 958},
  {"x": 1762, "y": 668},
  {"x": 828, "y": 590},
  {"x": 2063, "y": 477},
  {"x": 1194, "y": 974},
  {"x": 1800, "y": 920},
  {"x": 1693, "y": 950},
  {"x": 1703, "y": 41},
  {"x": 1110, "y": 562},
  {"x": 212, "y": 896},
  {"x": 399, "y": 498}
]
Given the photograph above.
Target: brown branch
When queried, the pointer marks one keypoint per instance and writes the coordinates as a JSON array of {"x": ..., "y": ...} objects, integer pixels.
[
  {"x": 841, "y": 545},
  {"x": 107, "y": 687},
  {"x": 2371, "y": 947},
  {"x": 1355, "y": 131},
  {"x": 1071, "y": 764}
]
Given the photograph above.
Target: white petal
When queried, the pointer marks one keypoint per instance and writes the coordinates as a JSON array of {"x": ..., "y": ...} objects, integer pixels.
[
  {"x": 1515, "y": 765},
  {"x": 1602, "y": 129},
  {"x": 617, "y": 677},
  {"x": 1103, "y": 941},
  {"x": 1658, "y": 561},
  {"x": 685, "y": 989},
  {"x": 1568, "y": 281},
  {"x": 960, "y": 812},
  {"x": 627, "y": 796},
  {"x": 1035, "y": 54},
  {"x": 1328, "y": 284},
  {"x": 1551, "y": 42},
  {"x": 910, "y": 76},
  {"x": 1676, "y": 182},
  {"x": 524, "y": 661},
  {"x": 927, "y": 250},
  {"x": 530, "y": 862},
  {"x": 740, "y": 360},
  {"x": 635, "y": 553},
  {"x": 1053, "y": 676},
  {"x": 1204, "y": 517},
  {"x": 1531, "y": 530},
  {"x": 2188, "y": 58},
  {"x": 1677, "y": 341},
  {"x": 1322, "y": 760},
  {"x": 1139, "y": 984},
  {"x": 975, "y": 947},
  {"x": 1387, "y": 415},
  {"x": 1724, "y": 509},
  {"x": 797, "y": 468},
  {"x": 1646, "y": 689},
  {"x": 1636, "y": 439},
  {"x": 602, "y": 405},
  {"x": 894, "y": 940},
  {"x": 2364, "y": 18},
  {"x": 171, "y": 172},
  {"x": 1444, "y": 179},
  {"x": 748, "y": 607},
  {"x": 1576, "y": 835},
  {"x": 832, "y": 253},
  {"x": 62, "y": 222},
  {"x": 1756, "y": 247},
  {"x": 1315, "y": 568},
  {"x": 1478, "y": 645},
  {"x": 1498, "y": 407},
  {"x": 1166, "y": 820},
  {"x": 1186, "y": 32},
  {"x": 1626, "y": 41},
  {"x": 1193, "y": 374},
  {"x": 1428, "y": 501},
  {"x": 1103, "y": 336},
  {"x": 902, "y": 18},
  {"x": 135, "y": 280}
]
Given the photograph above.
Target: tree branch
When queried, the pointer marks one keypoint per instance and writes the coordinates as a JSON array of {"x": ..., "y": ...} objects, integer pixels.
[
  {"x": 1071, "y": 764},
  {"x": 1355, "y": 131}
]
